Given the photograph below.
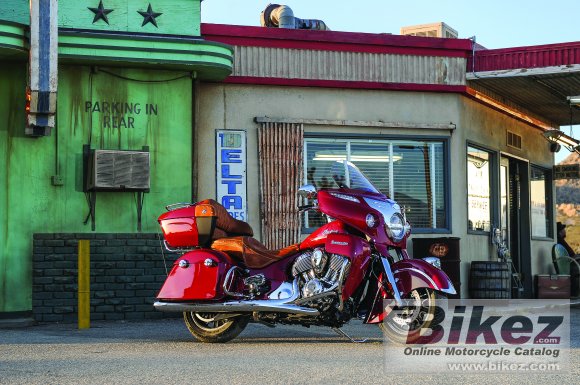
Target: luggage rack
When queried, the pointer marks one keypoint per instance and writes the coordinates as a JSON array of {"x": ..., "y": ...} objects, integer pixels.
[{"x": 176, "y": 206}]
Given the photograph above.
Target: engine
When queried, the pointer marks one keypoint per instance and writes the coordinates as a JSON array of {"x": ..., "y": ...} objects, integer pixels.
[{"x": 320, "y": 275}]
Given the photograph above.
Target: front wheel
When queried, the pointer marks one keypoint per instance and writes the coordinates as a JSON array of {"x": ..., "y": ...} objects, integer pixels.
[
  {"x": 404, "y": 324},
  {"x": 205, "y": 327}
]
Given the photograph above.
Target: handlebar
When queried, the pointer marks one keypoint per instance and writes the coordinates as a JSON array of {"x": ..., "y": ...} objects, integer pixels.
[{"x": 305, "y": 207}]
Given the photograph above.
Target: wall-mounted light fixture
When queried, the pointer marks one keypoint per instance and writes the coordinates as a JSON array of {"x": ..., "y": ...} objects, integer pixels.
[
  {"x": 558, "y": 138},
  {"x": 574, "y": 100}
]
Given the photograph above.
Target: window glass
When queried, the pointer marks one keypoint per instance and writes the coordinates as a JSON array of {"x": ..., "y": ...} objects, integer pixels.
[
  {"x": 411, "y": 172},
  {"x": 541, "y": 208},
  {"x": 478, "y": 190}
]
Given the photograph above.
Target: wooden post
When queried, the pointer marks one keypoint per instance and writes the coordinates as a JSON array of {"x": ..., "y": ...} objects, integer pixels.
[{"x": 84, "y": 283}]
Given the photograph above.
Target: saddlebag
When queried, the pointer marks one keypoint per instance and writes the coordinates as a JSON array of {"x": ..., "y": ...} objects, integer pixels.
[{"x": 197, "y": 275}]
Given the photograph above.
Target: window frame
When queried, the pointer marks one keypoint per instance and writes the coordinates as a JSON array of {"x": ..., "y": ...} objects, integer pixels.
[
  {"x": 444, "y": 140},
  {"x": 549, "y": 178},
  {"x": 493, "y": 188}
]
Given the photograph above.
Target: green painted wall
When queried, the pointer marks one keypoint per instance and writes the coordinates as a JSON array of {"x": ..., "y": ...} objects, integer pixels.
[
  {"x": 29, "y": 203},
  {"x": 178, "y": 17}
]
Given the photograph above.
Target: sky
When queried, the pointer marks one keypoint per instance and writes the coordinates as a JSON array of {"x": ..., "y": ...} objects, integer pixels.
[{"x": 494, "y": 23}]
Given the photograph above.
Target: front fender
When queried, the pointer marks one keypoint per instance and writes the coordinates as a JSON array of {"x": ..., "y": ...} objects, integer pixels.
[
  {"x": 415, "y": 273},
  {"x": 410, "y": 274}
]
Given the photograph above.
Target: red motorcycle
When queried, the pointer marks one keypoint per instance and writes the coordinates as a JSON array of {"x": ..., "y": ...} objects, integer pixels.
[{"x": 345, "y": 269}]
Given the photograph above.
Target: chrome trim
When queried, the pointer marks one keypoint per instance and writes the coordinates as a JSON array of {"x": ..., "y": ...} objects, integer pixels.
[
  {"x": 451, "y": 289},
  {"x": 422, "y": 273},
  {"x": 273, "y": 306},
  {"x": 228, "y": 280},
  {"x": 391, "y": 279},
  {"x": 265, "y": 305},
  {"x": 178, "y": 250},
  {"x": 184, "y": 264},
  {"x": 176, "y": 206},
  {"x": 340, "y": 280},
  {"x": 433, "y": 261}
]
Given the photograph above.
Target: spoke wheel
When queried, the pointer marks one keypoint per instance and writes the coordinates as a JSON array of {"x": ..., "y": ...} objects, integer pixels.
[
  {"x": 404, "y": 324},
  {"x": 206, "y": 328}
]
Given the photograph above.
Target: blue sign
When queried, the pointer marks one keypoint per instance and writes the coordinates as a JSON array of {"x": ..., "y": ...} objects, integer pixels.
[{"x": 231, "y": 172}]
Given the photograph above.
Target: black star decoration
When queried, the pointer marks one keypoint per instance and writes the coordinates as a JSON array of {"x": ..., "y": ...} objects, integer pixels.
[
  {"x": 100, "y": 13},
  {"x": 149, "y": 16}
]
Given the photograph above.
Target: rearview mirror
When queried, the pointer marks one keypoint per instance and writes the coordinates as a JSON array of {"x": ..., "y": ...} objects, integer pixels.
[{"x": 307, "y": 191}]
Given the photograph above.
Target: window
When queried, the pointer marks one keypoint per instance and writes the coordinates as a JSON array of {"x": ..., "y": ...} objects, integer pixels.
[
  {"x": 541, "y": 203},
  {"x": 411, "y": 172},
  {"x": 478, "y": 189}
]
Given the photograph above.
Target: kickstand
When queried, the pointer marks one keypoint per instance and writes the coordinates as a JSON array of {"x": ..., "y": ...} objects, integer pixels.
[{"x": 341, "y": 332}]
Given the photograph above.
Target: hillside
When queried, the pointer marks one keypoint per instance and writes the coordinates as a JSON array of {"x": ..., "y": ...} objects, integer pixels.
[{"x": 568, "y": 204}]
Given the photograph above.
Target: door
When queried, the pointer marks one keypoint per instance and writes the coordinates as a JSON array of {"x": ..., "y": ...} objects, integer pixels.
[{"x": 515, "y": 222}]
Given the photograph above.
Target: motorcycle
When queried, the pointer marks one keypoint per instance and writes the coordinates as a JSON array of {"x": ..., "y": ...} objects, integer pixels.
[{"x": 348, "y": 268}]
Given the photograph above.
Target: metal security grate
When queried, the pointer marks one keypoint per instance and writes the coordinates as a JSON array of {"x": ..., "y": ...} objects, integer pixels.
[{"x": 514, "y": 140}]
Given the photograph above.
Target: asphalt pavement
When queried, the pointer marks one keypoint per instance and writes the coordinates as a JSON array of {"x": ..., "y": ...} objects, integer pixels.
[{"x": 163, "y": 352}]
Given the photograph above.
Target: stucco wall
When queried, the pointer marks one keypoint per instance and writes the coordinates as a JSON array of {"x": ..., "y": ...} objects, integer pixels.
[
  {"x": 226, "y": 106},
  {"x": 30, "y": 203}
]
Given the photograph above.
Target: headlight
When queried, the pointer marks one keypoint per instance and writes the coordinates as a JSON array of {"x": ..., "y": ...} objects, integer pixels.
[{"x": 396, "y": 227}]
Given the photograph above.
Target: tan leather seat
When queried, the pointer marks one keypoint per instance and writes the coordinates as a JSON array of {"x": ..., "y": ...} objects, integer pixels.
[{"x": 251, "y": 252}]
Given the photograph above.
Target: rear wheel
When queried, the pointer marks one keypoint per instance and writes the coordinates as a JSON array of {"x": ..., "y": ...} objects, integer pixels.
[
  {"x": 205, "y": 327},
  {"x": 404, "y": 324}
]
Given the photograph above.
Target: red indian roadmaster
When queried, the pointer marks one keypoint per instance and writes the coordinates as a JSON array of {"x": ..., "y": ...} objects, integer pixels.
[{"x": 224, "y": 278}]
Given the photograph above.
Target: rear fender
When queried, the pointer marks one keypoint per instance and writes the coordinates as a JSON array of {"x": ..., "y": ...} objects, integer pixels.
[{"x": 194, "y": 277}]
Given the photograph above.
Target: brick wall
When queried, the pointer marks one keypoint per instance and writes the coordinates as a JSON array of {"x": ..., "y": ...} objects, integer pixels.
[{"x": 127, "y": 271}]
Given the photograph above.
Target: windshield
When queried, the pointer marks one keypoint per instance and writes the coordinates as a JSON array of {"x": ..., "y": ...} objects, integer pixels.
[{"x": 347, "y": 175}]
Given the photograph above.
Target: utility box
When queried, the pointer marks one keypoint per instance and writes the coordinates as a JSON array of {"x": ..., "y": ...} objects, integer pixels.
[
  {"x": 117, "y": 170},
  {"x": 430, "y": 30},
  {"x": 447, "y": 250}
]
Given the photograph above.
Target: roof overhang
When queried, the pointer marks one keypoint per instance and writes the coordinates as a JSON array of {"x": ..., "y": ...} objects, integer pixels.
[{"x": 538, "y": 79}]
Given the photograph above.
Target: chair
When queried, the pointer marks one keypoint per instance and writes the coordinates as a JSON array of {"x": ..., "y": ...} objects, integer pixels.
[
  {"x": 561, "y": 260},
  {"x": 562, "y": 264}
]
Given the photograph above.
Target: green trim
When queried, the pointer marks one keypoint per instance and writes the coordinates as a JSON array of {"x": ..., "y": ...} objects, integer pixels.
[
  {"x": 210, "y": 60},
  {"x": 157, "y": 50},
  {"x": 142, "y": 37},
  {"x": 13, "y": 39}
]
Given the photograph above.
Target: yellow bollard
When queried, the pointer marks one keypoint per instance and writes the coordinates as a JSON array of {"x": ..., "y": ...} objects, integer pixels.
[{"x": 84, "y": 280}]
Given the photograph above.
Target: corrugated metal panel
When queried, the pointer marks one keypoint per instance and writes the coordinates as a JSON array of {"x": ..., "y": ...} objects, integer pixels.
[
  {"x": 280, "y": 155},
  {"x": 347, "y": 66},
  {"x": 527, "y": 57}
]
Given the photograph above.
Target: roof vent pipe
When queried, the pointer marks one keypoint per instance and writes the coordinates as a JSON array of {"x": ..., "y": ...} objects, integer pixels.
[{"x": 282, "y": 16}]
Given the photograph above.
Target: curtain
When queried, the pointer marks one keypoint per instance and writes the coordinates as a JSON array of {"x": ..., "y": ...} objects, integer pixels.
[{"x": 280, "y": 149}]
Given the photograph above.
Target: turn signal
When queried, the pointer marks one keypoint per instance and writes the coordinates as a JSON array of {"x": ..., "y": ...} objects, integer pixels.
[{"x": 372, "y": 220}]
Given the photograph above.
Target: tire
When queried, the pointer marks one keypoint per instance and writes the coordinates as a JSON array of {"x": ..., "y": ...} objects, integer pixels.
[
  {"x": 205, "y": 329},
  {"x": 404, "y": 329}
]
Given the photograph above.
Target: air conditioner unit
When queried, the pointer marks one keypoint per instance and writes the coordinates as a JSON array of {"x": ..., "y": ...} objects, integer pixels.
[
  {"x": 116, "y": 170},
  {"x": 430, "y": 30}
]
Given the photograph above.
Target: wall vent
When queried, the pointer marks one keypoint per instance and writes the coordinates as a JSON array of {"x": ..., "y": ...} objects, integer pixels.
[
  {"x": 116, "y": 170},
  {"x": 514, "y": 140}
]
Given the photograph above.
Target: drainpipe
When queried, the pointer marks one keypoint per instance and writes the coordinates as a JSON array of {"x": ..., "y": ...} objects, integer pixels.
[{"x": 282, "y": 16}]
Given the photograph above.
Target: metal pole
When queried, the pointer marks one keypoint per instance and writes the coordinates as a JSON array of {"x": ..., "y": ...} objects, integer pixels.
[{"x": 84, "y": 283}]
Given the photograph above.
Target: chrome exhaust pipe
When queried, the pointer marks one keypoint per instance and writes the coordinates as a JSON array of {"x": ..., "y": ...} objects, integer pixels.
[
  {"x": 271, "y": 306},
  {"x": 285, "y": 305}
]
